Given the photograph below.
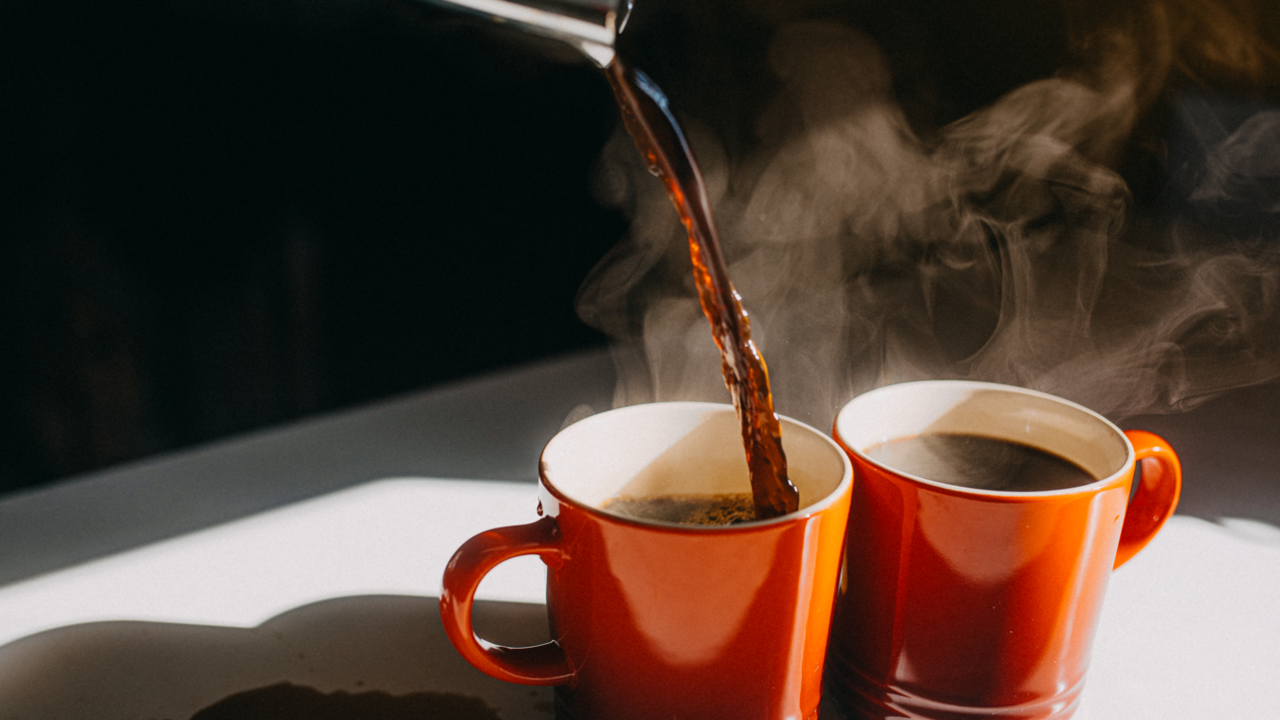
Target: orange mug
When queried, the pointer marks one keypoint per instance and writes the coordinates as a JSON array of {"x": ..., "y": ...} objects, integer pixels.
[
  {"x": 978, "y": 596},
  {"x": 653, "y": 619}
]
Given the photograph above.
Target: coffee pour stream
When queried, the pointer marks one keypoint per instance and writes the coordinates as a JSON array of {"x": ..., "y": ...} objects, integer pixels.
[{"x": 592, "y": 26}]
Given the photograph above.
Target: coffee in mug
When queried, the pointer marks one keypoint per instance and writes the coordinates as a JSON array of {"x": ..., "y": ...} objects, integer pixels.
[
  {"x": 976, "y": 461},
  {"x": 722, "y": 509}
]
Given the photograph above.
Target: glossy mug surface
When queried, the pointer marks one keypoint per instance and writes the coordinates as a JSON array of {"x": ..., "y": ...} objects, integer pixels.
[
  {"x": 961, "y": 603},
  {"x": 657, "y": 620}
]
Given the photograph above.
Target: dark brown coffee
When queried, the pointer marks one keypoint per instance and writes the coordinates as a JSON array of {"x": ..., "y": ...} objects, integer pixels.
[
  {"x": 981, "y": 463},
  {"x": 727, "y": 509}
]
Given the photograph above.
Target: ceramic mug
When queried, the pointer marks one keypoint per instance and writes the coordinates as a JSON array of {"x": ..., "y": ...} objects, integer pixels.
[
  {"x": 658, "y": 620},
  {"x": 959, "y": 602}
]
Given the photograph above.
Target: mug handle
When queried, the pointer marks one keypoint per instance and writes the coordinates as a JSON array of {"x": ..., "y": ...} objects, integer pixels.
[
  {"x": 1157, "y": 494},
  {"x": 545, "y": 664}
]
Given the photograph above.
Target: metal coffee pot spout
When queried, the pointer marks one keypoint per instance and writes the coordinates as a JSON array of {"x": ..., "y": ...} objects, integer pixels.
[{"x": 589, "y": 25}]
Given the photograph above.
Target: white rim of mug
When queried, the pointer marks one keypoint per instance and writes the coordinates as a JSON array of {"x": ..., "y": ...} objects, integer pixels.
[
  {"x": 841, "y": 488},
  {"x": 1128, "y": 463}
]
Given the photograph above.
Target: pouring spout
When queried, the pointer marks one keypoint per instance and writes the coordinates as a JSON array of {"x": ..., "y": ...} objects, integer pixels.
[{"x": 589, "y": 25}]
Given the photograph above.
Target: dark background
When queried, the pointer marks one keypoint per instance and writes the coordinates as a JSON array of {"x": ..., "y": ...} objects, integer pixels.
[{"x": 217, "y": 215}]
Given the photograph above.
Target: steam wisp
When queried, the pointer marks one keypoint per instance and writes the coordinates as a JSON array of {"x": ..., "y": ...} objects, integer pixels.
[{"x": 1005, "y": 246}]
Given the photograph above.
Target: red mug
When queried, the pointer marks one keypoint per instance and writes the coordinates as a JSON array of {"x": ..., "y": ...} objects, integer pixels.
[
  {"x": 658, "y": 620},
  {"x": 960, "y": 602}
]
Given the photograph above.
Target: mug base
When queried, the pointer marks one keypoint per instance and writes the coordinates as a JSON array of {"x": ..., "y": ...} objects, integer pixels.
[
  {"x": 562, "y": 711},
  {"x": 859, "y": 698}
]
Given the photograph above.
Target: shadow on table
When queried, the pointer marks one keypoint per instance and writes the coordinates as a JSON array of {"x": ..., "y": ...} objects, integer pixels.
[{"x": 371, "y": 657}]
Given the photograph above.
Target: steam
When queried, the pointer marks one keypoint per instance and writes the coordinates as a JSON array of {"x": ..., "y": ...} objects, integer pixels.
[{"x": 1004, "y": 247}]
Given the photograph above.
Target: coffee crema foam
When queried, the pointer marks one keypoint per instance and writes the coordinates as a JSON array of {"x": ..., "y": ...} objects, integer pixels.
[{"x": 722, "y": 509}]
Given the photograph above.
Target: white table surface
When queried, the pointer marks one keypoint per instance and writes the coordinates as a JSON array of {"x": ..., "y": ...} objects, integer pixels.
[{"x": 313, "y": 553}]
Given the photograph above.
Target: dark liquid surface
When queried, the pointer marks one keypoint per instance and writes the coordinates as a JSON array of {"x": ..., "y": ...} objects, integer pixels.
[
  {"x": 660, "y": 141},
  {"x": 979, "y": 462},
  {"x": 286, "y": 701},
  {"x": 727, "y": 509}
]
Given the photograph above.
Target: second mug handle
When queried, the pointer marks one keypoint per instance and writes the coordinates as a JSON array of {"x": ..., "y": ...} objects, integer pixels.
[
  {"x": 544, "y": 664},
  {"x": 1157, "y": 494}
]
